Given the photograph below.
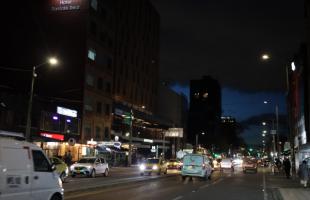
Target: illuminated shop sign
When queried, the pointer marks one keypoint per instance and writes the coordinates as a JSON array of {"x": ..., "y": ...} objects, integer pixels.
[
  {"x": 66, "y": 112},
  {"x": 174, "y": 132},
  {"x": 63, "y": 5},
  {"x": 53, "y": 136},
  {"x": 148, "y": 140}
]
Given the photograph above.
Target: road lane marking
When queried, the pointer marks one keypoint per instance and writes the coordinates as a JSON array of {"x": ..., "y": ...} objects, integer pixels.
[
  {"x": 264, "y": 185},
  {"x": 178, "y": 198}
]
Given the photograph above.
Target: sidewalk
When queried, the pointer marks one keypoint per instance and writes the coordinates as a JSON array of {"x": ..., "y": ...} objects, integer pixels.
[{"x": 286, "y": 189}]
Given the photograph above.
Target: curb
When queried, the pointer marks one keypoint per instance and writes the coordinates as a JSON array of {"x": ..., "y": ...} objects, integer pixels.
[{"x": 107, "y": 185}]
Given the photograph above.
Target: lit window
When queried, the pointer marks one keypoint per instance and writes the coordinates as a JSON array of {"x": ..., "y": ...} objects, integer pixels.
[
  {"x": 94, "y": 4},
  {"x": 196, "y": 94},
  {"x": 205, "y": 95},
  {"x": 91, "y": 54},
  {"x": 89, "y": 80}
]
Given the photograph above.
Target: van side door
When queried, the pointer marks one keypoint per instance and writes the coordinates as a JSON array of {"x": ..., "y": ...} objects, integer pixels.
[
  {"x": 15, "y": 166},
  {"x": 44, "y": 180}
]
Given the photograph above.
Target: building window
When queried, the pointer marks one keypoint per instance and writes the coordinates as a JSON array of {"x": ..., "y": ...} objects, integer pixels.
[
  {"x": 106, "y": 133},
  {"x": 89, "y": 80},
  {"x": 88, "y": 104},
  {"x": 93, "y": 28},
  {"x": 109, "y": 63},
  {"x": 107, "y": 109},
  {"x": 108, "y": 87},
  {"x": 87, "y": 130},
  {"x": 100, "y": 83},
  {"x": 91, "y": 54},
  {"x": 94, "y": 4},
  {"x": 99, "y": 107},
  {"x": 97, "y": 132}
]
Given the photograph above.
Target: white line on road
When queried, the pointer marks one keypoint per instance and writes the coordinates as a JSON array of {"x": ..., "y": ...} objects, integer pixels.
[
  {"x": 264, "y": 185},
  {"x": 178, "y": 198}
]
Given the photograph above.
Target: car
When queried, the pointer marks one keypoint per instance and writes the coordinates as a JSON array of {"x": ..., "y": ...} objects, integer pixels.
[
  {"x": 90, "y": 166},
  {"x": 226, "y": 163},
  {"x": 61, "y": 168},
  {"x": 153, "y": 165},
  {"x": 216, "y": 164},
  {"x": 26, "y": 172},
  {"x": 174, "y": 164},
  {"x": 196, "y": 165},
  {"x": 249, "y": 165}
]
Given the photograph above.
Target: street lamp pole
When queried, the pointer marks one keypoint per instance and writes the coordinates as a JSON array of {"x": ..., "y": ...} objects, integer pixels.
[
  {"x": 130, "y": 139},
  {"x": 277, "y": 129},
  {"x": 51, "y": 61},
  {"x": 28, "y": 123}
]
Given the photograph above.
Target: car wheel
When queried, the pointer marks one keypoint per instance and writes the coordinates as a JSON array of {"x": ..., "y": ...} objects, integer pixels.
[
  {"x": 209, "y": 177},
  {"x": 56, "y": 197},
  {"x": 141, "y": 174},
  {"x": 62, "y": 177},
  {"x": 183, "y": 178},
  {"x": 93, "y": 174},
  {"x": 73, "y": 175},
  {"x": 106, "y": 173},
  {"x": 158, "y": 173}
]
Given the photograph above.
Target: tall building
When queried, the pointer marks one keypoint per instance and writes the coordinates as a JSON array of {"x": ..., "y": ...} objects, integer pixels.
[
  {"x": 205, "y": 110},
  {"x": 81, "y": 35}
]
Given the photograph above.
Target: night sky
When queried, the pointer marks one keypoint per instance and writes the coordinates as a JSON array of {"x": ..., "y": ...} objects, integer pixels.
[{"x": 225, "y": 39}]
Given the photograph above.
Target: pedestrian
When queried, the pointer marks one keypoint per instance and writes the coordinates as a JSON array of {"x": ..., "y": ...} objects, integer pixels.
[
  {"x": 278, "y": 164},
  {"x": 287, "y": 167},
  {"x": 304, "y": 173},
  {"x": 68, "y": 158}
]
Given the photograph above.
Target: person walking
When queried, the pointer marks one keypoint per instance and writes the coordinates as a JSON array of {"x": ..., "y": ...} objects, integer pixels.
[
  {"x": 287, "y": 167},
  {"x": 304, "y": 173},
  {"x": 68, "y": 158}
]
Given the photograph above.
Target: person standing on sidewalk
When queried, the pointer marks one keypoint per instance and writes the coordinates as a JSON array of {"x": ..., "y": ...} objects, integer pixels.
[
  {"x": 304, "y": 173},
  {"x": 287, "y": 167}
]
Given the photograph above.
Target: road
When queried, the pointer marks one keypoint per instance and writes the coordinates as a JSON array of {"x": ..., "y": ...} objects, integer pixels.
[{"x": 226, "y": 185}]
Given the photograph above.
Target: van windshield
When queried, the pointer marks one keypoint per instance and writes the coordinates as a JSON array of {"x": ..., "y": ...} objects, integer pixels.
[
  {"x": 193, "y": 160},
  {"x": 87, "y": 160}
]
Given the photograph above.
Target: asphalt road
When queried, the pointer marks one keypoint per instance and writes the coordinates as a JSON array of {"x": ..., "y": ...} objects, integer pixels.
[{"x": 226, "y": 185}]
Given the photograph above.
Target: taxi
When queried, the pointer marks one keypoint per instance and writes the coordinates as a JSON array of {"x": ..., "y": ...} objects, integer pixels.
[
  {"x": 153, "y": 165},
  {"x": 174, "y": 164},
  {"x": 61, "y": 168}
]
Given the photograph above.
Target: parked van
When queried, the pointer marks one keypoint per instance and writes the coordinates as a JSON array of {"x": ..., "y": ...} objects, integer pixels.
[
  {"x": 26, "y": 172},
  {"x": 196, "y": 165}
]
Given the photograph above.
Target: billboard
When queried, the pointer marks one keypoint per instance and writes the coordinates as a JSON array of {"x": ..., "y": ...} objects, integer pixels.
[
  {"x": 65, "y": 5},
  {"x": 174, "y": 132}
]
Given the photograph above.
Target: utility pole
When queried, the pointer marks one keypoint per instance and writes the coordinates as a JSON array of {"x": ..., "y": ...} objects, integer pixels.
[
  {"x": 277, "y": 129},
  {"x": 164, "y": 148},
  {"x": 130, "y": 138}
]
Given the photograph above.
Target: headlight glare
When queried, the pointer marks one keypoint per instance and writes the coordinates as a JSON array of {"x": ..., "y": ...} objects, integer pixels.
[{"x": 142, "y": 167}]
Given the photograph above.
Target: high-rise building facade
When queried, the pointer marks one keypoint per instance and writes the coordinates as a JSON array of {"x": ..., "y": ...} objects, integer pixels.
[{"x": 205, "y": 110}]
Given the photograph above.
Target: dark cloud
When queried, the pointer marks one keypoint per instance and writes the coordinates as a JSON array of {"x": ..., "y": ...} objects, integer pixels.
[{"x": 224, "y": 38}]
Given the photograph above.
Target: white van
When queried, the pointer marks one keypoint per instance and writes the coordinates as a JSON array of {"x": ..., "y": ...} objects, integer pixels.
[{"x": 26, "y": 173}]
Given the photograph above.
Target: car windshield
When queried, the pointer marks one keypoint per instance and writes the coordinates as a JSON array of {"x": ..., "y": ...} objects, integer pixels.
[
  {"x": 152, "y": 161},
  {"x": 87, "y": 160}
]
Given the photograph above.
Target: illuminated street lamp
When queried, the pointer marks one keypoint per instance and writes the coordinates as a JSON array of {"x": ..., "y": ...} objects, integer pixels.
[
  {"x": 264, "y": 131},
  {"x": 293, "y": 67},
  {"x": 264, "y": 123},
  {"x": 51, "y": 61},
  {"x": 265, "y": 57}
]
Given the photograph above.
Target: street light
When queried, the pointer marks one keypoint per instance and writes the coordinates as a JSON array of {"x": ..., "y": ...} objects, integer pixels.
[
  {"x": 197, "y": 135},
  {"x": 264, "y": 123},
  {"x": 265, "y": 57},
  {"x": 52, "y": 61}
]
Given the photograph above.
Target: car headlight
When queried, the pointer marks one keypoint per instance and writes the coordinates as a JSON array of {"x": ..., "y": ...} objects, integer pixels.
[
  {"x": 72, "y": 167},
  {"x": 142, "y": 167},
  {"x": 154, "y": 167},
  {"x": 88, "y": 167}
]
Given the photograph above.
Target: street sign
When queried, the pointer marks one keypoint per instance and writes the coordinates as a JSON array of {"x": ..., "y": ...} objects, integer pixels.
[{"x": 273, "y": 132}]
